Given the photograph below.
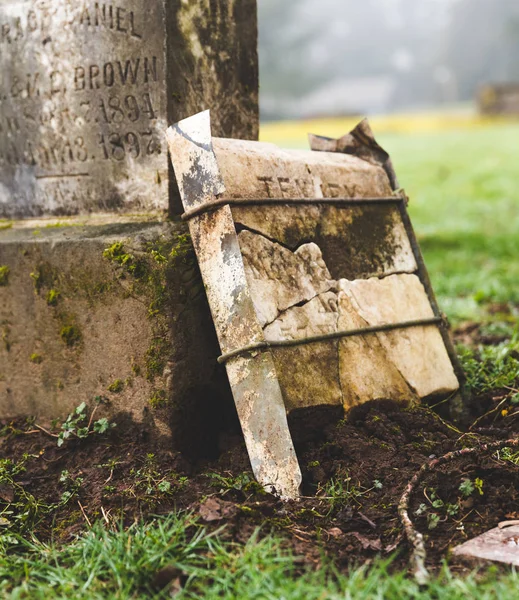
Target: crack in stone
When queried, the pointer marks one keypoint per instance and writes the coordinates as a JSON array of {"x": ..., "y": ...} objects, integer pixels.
[
  {"x": 302, "y": 303},
  {"x": 241, "y": 227}
]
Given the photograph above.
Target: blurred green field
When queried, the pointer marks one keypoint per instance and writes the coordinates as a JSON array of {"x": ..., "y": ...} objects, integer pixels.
[{"x": 462, "y": 178}]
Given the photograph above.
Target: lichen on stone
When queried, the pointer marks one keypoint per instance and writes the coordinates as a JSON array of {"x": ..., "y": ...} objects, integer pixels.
[
  {"x": 52, "y": 297},
  {"x": 116, "y": 387},
  {"x": 70, "y": 334},
  {"x": 4, "y": 275}
]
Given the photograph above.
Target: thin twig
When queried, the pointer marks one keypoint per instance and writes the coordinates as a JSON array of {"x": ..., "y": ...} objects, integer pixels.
[
  {"x": 414, "y": 537},
  {"x": 105, "y": 516},
  {"x": 54, "y": 435},
  {"x": 84, "y": 514},
  {"x": 92, "y": 416}
]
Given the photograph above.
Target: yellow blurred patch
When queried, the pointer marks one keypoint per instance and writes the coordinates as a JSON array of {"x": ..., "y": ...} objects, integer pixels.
[{"x": 294, "y": 133}]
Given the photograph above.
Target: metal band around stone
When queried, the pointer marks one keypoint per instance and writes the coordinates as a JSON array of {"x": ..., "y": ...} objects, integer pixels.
[
  {"x": 266, "y": 345},
  {"x": 219, "y": 202}
]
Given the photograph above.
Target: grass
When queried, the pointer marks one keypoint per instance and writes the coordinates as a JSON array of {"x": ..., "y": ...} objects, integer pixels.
[
  {"x": 124, "y": 564},
  {"x": 462, "y": 177}
]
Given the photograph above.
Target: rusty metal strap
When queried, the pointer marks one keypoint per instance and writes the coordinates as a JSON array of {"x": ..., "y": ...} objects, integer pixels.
[
  {"x": 266, "y": 345},
  {"x": 218, "y": 202}
]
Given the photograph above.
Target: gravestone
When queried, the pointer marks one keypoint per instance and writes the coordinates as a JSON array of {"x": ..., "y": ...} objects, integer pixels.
[
  {"x": 316, "y": 284},
  {"x": 99, "y": 294},
  {"x": 87, "y": 90}
]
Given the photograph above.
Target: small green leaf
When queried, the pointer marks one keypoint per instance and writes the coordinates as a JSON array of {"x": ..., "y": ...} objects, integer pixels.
[
  {"x": 432, "y": 520},
  {"x": 101, "y": 425},
  {"x": 164, "y": 486},
  {"x": 81, "y": 408}
]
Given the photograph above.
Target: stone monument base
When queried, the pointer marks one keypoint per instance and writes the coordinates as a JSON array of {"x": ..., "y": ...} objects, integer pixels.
[{"x": 109, "y": 311}]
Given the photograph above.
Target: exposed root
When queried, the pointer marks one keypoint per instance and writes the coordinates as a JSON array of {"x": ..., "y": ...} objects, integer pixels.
[{"x": 414, "y": 537}]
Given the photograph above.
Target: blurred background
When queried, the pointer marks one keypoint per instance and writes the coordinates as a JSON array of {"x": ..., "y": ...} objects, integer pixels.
[
  {"x": 342, "y": 57},
  {"x": 425, "y": 73}
]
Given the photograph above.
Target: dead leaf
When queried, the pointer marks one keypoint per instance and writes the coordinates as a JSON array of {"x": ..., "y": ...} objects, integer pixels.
[
  {"x": 334, "y": 532},
  {"x": 7, "y": 493},
  {"x": 367, "y": 543},
  {"x": 210, "y": 510}
]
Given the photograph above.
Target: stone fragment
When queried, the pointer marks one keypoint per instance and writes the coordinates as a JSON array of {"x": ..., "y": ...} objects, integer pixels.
[
  {"x": 367, "y": 371},
  {"x": 360, "y": 241},
  {"x": 262, "y": 170},
  {"x": 402, "y": 365},
  {"x": 496, "y": 545},
  {"x": 316, "y": 380},
  {"x": 418, "y": 353},
  {"x": 279, "y": 278},
  {"x": 88, "y": 88}
]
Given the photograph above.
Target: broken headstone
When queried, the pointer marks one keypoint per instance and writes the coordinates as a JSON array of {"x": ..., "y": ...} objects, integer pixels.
[{"x": 315, "y": 281}]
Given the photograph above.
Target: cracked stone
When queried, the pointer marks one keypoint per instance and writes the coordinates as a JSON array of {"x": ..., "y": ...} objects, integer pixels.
[
  {"x": 279, "y": 278},
  {"x": 406, "y": 364},
  {"x": 318, "y": 382},
  {"x": 418, "y": 353},
  {"x": 367, "y": 370}
]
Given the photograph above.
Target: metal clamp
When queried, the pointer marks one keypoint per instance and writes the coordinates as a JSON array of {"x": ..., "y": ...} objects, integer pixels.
[{"x": 267, "y": 345}]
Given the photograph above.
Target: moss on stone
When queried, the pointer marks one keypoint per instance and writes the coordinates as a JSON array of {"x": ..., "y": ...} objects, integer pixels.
[
  {"x": 156, "y": 357},
  {"x": 4, "y": 275},
  {"x": 71, "y": 334},
  {"x": 116, "y": 387},
  {"x": 36, "y": 358},
  {"x": 158, "y": 399},
  {"x": 52, "y": 297},
  {"x": 148, "y": 269}
]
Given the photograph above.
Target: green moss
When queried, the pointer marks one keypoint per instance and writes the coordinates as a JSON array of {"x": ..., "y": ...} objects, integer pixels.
[
  {"x": 158, "y": 399},
  {"x": 148, "y": 271},
  {"x": 36, "y": 358},
  {"x": 5, "y": 224},
  {"x": 116, "y": 253},
  {"x": 71, "y": 334},
  {"x": 136, "y": 370},
  {"x": 117, "y": 386},
  {"x": 156, "y": 357},
  {"x": 52, "y": 297},
  {"x": 4, "y": 275}
]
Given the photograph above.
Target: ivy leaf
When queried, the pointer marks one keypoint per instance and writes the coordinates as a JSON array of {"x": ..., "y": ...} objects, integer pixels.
[
  {"x": 164, "y": 486},
  {"x": 80, "y": 410},
  {"x": 101, "y": 425}
]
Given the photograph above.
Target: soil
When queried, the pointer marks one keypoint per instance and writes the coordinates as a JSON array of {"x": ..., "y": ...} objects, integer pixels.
[{"x": 126, "y": 474}]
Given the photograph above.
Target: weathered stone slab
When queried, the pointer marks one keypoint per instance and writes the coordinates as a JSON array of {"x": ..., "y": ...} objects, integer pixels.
[
  {"x": 418, "y": 353},
  {"x": 496, "y": 545},
  {"x": 279, "y": 278},
  {"x": 255, "y": 386},
  {"x": 113, "y": 310},
  {"x": 263, "y": 170},
  {"x": 87, "y": 90},
  {"x": 407, "y": 364},
  {"x": 358, "y": 241}
]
